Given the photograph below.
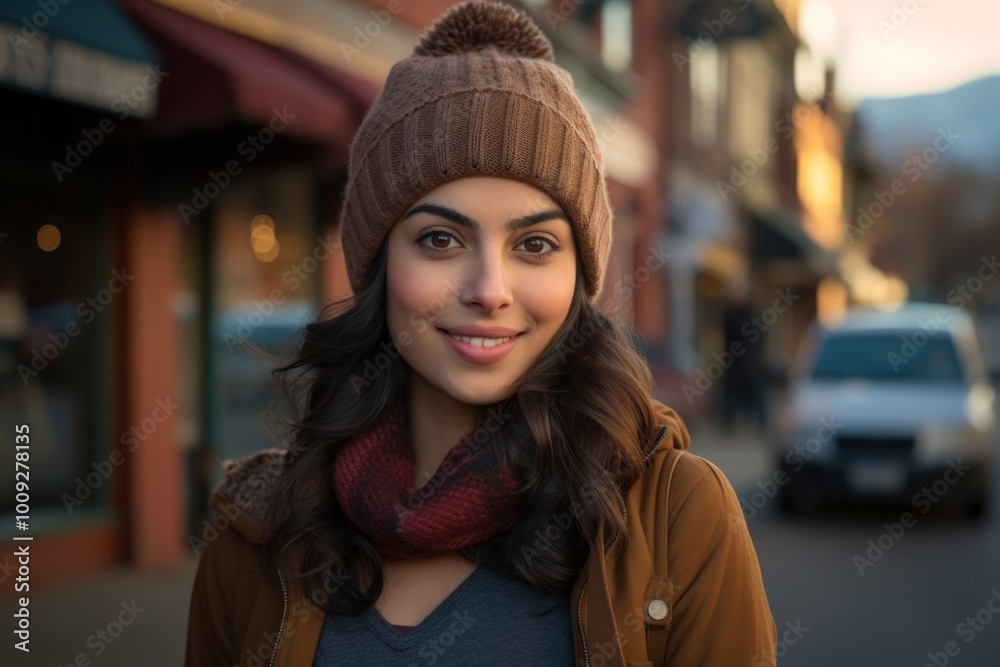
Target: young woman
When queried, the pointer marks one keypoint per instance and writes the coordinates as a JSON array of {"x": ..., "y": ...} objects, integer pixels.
[{"x": 477, "y": 473}]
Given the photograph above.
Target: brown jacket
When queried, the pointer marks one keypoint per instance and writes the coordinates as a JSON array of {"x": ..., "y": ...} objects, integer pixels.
[{"x": 702, "y": 605}]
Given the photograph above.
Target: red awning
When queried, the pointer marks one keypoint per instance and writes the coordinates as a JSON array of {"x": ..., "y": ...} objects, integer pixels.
[{"x": 214, "y": 77}]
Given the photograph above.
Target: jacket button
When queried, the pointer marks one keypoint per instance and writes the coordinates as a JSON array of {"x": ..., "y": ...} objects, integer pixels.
[{"x": 657, "y": 610}]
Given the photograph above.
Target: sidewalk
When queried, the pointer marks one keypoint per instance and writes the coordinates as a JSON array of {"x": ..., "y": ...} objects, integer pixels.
[
  {"x": 744, "y": 456},
  {"x": 120, "y": 618}
]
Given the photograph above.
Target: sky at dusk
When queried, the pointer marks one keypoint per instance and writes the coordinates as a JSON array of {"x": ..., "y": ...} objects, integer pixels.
[{"x": 903, "y": 47}]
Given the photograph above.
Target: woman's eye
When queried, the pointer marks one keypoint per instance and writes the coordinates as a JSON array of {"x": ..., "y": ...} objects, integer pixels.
[
  {"x": 439, "y": 240},
  {"x": 537, "y": 245}
]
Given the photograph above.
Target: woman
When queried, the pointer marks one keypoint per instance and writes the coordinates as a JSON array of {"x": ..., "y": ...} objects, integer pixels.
[{"x": 477, "y": 473}]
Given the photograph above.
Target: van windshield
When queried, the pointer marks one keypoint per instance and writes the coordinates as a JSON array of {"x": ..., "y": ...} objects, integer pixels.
[{"x": 889, "y": 357}]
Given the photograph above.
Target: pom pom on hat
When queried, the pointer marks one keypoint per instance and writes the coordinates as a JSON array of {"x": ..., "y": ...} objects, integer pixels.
[{"x": 479, "y": 24}]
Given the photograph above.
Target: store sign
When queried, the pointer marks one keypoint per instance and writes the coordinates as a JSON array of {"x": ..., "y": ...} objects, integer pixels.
[{"x": 74, "y": 73}]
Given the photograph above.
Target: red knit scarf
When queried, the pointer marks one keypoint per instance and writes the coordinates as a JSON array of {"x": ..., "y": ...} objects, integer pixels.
[{"x": 468, "y": 500}]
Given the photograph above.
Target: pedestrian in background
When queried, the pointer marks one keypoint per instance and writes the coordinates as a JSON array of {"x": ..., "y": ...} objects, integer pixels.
[{"x": 477, "y": 473}]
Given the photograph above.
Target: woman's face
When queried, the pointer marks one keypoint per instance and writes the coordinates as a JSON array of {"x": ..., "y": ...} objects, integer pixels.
[{"x": 480, "y": 276}]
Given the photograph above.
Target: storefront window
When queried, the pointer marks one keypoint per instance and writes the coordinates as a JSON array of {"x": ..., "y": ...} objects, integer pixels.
[
  {"x": 268, "y": 267},
  {"x": 58, "y": 297}
]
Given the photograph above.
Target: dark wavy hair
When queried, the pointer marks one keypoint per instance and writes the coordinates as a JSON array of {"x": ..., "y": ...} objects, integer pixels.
[{"x": 574, "y": 428}]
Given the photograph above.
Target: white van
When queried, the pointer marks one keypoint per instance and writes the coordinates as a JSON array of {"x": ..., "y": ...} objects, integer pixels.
[{"x": 890, "y": 406}]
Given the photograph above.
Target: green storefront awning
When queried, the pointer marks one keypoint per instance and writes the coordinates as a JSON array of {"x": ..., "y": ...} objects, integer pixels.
[{"x": 87, "y": 53}]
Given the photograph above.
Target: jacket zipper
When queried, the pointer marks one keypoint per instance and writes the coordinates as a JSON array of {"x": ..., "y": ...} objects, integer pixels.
[
  {"x": 656, "y": 445},
  {"x": 579, "y": 618},
  {"x": 579, "y": 608},
  {"x": 284, "y": 613}
]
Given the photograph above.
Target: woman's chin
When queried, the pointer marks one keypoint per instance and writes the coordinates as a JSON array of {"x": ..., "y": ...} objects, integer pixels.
[{"x": 478, "y": 394}]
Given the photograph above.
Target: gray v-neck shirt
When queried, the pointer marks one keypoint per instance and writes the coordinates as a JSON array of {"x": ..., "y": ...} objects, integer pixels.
[{"x": 490, "y": 619}]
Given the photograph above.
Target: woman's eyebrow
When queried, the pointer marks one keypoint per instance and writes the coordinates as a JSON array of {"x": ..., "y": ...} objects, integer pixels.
[{"x": 465, "y": 221}]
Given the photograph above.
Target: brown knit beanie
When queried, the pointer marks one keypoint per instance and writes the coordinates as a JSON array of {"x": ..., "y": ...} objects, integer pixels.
[{"x": 480, "y": 95}]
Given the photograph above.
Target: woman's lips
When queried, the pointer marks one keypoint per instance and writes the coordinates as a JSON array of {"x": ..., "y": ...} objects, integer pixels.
[{"x": 481, "y": 355}]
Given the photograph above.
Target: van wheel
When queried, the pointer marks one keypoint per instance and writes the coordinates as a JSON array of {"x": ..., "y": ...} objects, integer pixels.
[
  {"x": 976, "y": 508},
  {"x": 788, "y": 502}
]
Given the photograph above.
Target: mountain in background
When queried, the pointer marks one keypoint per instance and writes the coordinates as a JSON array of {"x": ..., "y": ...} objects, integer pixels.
[{"x": 894, "y": 129}]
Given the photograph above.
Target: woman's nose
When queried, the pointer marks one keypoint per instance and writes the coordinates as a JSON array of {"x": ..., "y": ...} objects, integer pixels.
[{"x": 487, "y": 284}]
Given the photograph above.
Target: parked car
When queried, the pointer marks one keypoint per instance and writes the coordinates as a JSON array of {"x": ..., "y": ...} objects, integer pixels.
[
  {"x": 890, "y": 407},
  {"x": 988, "y": 315}
]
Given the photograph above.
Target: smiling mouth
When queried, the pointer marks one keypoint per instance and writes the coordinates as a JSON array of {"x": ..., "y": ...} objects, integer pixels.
[{"x": 480, "y": 342}]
